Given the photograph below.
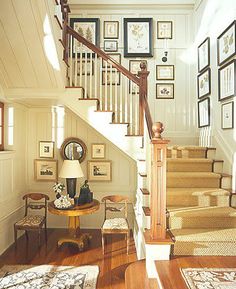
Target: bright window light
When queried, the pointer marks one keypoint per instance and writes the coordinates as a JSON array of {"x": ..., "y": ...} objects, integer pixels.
[
  {"x": 53, "y": 124},
  {"x": 10, "y": 126},
  {"x": 60, "y": 125}
]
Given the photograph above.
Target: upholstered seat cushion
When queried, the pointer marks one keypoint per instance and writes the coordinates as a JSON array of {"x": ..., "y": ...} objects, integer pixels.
[
  {"x": 116, "y": 224},
  {"x": 31, "y": 221}
]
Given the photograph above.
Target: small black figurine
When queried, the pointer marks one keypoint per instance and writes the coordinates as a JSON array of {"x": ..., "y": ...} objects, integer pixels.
[{"x": 85, "y": 196}]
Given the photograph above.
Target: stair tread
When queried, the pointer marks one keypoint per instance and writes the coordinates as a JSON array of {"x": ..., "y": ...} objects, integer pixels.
[
  {"x": 193, "y": 175},
  {"x": 145, "y": 191},
  {"x": 143, "y": 174},
  {"x": 188, "y": 160},
  {"x": 211, "y": 212},
  {"x": 146, "y": 211},
  {"x": 198, "y": 191}
]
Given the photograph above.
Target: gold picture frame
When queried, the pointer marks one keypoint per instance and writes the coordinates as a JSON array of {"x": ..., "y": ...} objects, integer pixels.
[
  {"x": 45, "y": 170},
  {"x": 99, "y": 171},
  {"x": 98, "y": 151},
  {"x": 46, "y": 149},
  {"x": 111, "y": 30}
]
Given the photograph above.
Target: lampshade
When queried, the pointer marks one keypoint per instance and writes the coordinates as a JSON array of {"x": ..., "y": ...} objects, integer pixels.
[{"x": 71, "y": 169}]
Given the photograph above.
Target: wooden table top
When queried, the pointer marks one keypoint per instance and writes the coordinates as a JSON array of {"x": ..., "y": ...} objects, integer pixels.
[{"x": 80, "y": 210}]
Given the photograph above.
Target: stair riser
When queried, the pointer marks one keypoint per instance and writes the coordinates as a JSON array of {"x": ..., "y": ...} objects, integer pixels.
[
  {"x": 226, "y": 183},
  {"x": 186, "y": 154},
  {"x": 193, "y": 182},
  {"x": 202, "y": 201},
  {"x": 189, "y": 167}
]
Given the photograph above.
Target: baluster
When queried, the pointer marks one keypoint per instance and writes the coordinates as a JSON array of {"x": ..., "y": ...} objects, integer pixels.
[
  {"x": 111, "y": 84},
  {"x": 71, "y": 57},
  {"x": 76, "y": 63},
  {"x": 136, "y": 109},
  {"x": 116, "y": 107},
  {"x": 85, "y": 74},
  {"x": 101, "y": 86},
  {"x": 127, "y": 104},
  {"x": 90, "y": 74},
  {"x": 105, "y": 78},
  {"x": 120, "y": 97},
  {"x": 130, "y": 111},
  {"x": 81, "y": 65},
  {"x": 95, "y": 76}
]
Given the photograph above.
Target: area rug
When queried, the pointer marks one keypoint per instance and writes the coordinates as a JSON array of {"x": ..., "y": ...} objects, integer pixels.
[
  {"x": 210, "y": 278},
  {"x": 48, "y": 276}
]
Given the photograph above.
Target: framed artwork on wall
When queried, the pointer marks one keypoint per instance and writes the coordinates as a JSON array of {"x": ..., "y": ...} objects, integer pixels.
[
  {"x": 110, "y": 45},
  {"x": 164, "y": 90},
  {"x": 138, "y": 37},
  {"x": 98, "y": 151},
  {"x": 227, "y": 115},
  {"x": 111, "y": 30},
  {"x": 226, "y": 44},
  {"x": 134, "y": 65},
  {"x": 204, "y": 54},
  {"x": 99, "y": 171},
  {"x": 164, "y": 29},
  {"x": 46, "y": 149},
  {"x": 165, "y": 72},
  {"x": 110, "y": 77},
  {"x": 115, "y": 56},
  {"x": 227, "y": 80},
  {"x": 87, "y": 67},
  {"x": 204, "y": 112},
  {"x": 45, "y": 170},
  {"x": 204, "y": 83}
]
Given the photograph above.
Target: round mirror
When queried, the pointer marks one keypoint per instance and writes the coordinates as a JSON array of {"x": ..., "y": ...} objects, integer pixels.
[{"x": 73, "y": 149}]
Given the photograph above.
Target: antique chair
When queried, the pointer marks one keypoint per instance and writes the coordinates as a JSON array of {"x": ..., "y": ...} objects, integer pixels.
[
  {"x": 33, "y": 222},
  {"x": 115, "y": 225}
]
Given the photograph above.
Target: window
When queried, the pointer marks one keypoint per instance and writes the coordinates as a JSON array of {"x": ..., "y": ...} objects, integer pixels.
[{"x": 1, "y": 126}]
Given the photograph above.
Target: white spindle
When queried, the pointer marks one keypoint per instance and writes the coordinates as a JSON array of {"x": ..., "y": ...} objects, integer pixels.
[
  {"x": 90, "y": 74},
  {"x": 130, "y": 110},
  {"x": 101, "y": 86},
  {"x": 116, "y": 107},
  {"x": 81, "y": 64},
  {"x": 127, "y": 102},
  {"x": 95, "y": 76},
  {"x": 71, "y": 58},
  {"x": 121, "y": 98},
  {"x": 85, "y": 74},
  {"x": 110, "y": 100},
  {"x": 76, "y": 63},
  {"x": 136, "y": 109},
  {"x": 105, "y": 78}
]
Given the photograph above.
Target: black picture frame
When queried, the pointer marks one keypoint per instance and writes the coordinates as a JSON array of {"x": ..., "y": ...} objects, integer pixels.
[
  {"x": 204, "y": 116},
  {"x": 114, "y": 45},
  {"x": 200, "y": 81},
  {"x": 230, "y": 116},
  {"x": 172, "y": 69},
  {"x": 165, "y": 36},
  {"x": 164, "y": 93},
  {"x": 220, "y": 72},
  {"x": 105, "y": 32},
  {"x": 129, "y": 48},
  {"x": 199, "y": 54}
]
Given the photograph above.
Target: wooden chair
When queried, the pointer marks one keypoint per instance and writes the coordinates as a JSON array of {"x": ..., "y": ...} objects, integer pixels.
[
  {"x": 115, "y": 225},
  {"x": 33, "y": 222}
]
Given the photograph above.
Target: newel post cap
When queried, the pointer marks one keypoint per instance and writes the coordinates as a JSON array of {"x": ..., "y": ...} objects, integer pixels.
[{"x": 157, "y": 129}]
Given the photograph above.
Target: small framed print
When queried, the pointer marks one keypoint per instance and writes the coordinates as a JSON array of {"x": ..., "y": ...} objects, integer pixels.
[
  {"x": 204, "y": 83},
  {"x": 115, "y": 56},
  {"x": 111, "y": 30},
  {"x": 46, "y": 149},
  {"x": 204, "y": 112},
  {"x": 110, "y": 77},
  {"x": 227, "y": 115},
  {"x": 164, "y": 90},
  {"x": 227, "y": 80},
  {"x": 165, "y": 72},
  {"x": 164, "y": 29},
  {"x": 45, "y": 170},
  {"x": 203, "y": 54},
  {"x": 226, "y": 43},
  {"x": 87, "y": 67},
  {"x": 134, "y": 66},
  {"x": 99, "y": 171},
  {"x": 110, "y": 45},
  {"x": 98, "y": 151}
]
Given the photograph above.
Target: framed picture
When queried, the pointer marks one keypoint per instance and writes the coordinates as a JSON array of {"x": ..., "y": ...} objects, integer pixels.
[
  {"x": 227, "y": 80},
  {"x": 89, "y": 28},
  {"x": 164, "y": 29},
  {"x": 115, "y": 56},
  {"x": 204, "y": 83},
  {"x": 164, "y": 90},
  {"x": 110, "y": 45},
  {"x": 99, "y": 171},
  {"x": 46, "y": 149},
  {"x": 226, "y": 43},
  {"x": 98, "y": 151},
  {"x": 203, "y": 51},
  {"x": 110, "y": 77},
  {"x": 134, "y": 66},
  {"x": 227, "y": 115},
  {"x": 87, "y": 67},
  {"x": 111, "y": 29},
  {"x": 45, "y": 170},
  {"x": 165, "y": 72},
  {"x": 204, "y": 112},
  {"x": 138, "y": 37}
]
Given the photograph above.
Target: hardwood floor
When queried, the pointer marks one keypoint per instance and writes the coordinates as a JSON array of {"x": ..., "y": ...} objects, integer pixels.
[{"x": 112, "y": 265}]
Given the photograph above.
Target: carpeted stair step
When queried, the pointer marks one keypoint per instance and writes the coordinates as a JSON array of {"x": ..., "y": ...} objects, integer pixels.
[
  {"x": 205, "y": 242},
  {"x": 190, "y": 152},
  {"x": 189, "y": 165},
  {"x": 202, "y": 197}
]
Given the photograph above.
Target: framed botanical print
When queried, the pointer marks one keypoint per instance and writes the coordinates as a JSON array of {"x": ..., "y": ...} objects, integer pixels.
[
  {"x": 204, "y": 83},
  {"x": 115, "y": 56},
  {"x": 204, "y": 112},
  {"x": 98, "y": 151},
  {"x": 164, "y": 90},
  {"x": 134, "y": 66},
  {"x": 164, "y": 29},
  {"x": 110, "y": 77},
  {"x": 204, "y": 54},
  {"x": 87, "y": 67},
  {"x": 111, "y": 30},
  {"x": 45, "y": 170},
  {"x": 138, "y": 37},
  {"x": 110, "y": 45},
  {"x": 226, "y": 43},
  {"x": 99, "y": 171},
  {"x": 227, "y": 115},
  {"x": 227, "y": 80},
  {"x": 165, "y": 72},
  {"x": 46, "y": 149}
]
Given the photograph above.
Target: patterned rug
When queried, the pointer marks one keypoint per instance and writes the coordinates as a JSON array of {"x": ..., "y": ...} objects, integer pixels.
[
  {"x": 210, "y": 278},
  {"x": 48, "y": 276}
]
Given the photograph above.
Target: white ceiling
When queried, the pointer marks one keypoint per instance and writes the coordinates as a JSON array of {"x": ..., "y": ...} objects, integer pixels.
[{"x": 133, "y": 2}]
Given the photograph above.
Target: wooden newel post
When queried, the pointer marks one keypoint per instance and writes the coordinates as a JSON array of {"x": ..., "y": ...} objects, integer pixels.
[{"x": 158, "y": 183}]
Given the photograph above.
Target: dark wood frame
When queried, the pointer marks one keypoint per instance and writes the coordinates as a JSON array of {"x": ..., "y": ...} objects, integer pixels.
[
  {"x": 208, "y": 105},
  {"x": 141, "y": 20},
  {"x": 171, "y": 27},
  {"x": 161, "y": 65},
  {"x": 115, "y": 50},
  {"x": 165, "y": 83},
  {"x": 219, "y": 85},
  {"x": 111, "y": 55},
  {"x": 104, "y": 30},
  {"x": 218, "y": 43},
  {"x": 209, "y": 77},
  {"x": 2, "y": 126},
  {"x": 208, "y": 56},
  {"x": 45, "y": 180},
  {"x": 53, "y": 143},
  {"x": 139, "y": 61},
  {"x": 108, "y": 71},
  {"x": 69, "y": 140},
  {"x": 232, "y": 103},
  {"x": 84, "y": 61}
]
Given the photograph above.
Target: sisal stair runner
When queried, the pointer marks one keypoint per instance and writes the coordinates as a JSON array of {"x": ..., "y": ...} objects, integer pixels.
[{"x": 198, "y": 212}]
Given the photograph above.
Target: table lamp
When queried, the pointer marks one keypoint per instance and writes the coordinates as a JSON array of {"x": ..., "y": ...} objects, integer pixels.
[{"x": 71, "y": 170}]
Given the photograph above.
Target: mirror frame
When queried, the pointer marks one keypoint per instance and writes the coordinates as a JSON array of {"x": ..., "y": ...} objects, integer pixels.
[{"x": 71, "y": 140}]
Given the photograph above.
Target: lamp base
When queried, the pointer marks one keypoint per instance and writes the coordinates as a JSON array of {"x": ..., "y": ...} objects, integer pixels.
[{"x": 71, "y": 187}]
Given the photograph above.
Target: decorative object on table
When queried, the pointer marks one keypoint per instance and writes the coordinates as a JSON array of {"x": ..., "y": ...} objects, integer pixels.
[
  {"x": 215, "y": 278},
  {"x": 115, "y": 56},
  {"x": 86, "y": 66},
  {"x": 45, "y": 170},
  {"x": 204, "y": 54},
  {"x": 164, "y": 90},
  {"x": 111, "y": 30},
  {"x": 227, "y": 115},
  {"x": 165, "y": 72},
  {"x": 134, "y": 66},
  {"x": 110, "y": 45},
  {"x": 226, "y": 43},
  {"x": 58, "y": 189},
  {"x": 204, "y": 112},
  {"x": 99, "y": 171},
  {"x": 43, "y": 276},
  {"x": 204, "y": 83},
  {"x": 86, "y": 196},
  {"x": 227, "y": 80},
  {"x": 98, "y": 151},
  {"x": 46, "y": 149},
  {"x": 64, "y": 202},
  {"x": 71, "y": 170},
  {"x": 73, "y": 149},
  {"x": 164, "y": 29},
  {"x": 110, "y": 77},
  {"x": 138, "y": 37}
]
